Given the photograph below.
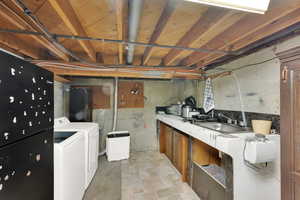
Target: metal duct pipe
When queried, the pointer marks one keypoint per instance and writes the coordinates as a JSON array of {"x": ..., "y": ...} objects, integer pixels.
[
  {"x": 135, "y": 11},
  {"x": 115, "y": 104}
]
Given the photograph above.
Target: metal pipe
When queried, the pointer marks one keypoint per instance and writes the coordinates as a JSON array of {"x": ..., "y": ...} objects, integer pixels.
[
  {"x": 115, "y": 104},
  {"x": 76, "y": 37},
  {"x": 135, "y": 10}
]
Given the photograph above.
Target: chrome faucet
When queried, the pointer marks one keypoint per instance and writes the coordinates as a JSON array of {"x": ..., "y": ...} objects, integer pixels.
[
  {"x": 244, "y": 122},
  {"x": 212, "y": 113},
  {"x": 229, "y": 120}
]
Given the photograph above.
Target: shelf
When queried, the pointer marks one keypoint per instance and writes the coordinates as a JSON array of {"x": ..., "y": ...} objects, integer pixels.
[{"x": 216, "y": 172}]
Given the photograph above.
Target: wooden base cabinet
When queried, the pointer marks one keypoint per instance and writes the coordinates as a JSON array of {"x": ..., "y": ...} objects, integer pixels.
[
  {"x": 190, "y": 156},
  {"x": 180, "y": 153},
  {"x": 169, "y": 143},
  {"x": 174, "y": 144}
]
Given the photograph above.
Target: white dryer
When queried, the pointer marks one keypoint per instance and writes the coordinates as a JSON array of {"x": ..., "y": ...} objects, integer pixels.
[{"x": 91, "y": 133}]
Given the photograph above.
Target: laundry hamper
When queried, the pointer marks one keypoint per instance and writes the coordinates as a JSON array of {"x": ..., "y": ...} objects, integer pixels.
[{"x": 117, "y": 145}]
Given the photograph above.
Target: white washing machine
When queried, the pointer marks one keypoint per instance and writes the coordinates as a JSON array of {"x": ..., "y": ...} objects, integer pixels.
[
  {"x": 69, "y": 156},
  {"x": 91, "y": 133}
]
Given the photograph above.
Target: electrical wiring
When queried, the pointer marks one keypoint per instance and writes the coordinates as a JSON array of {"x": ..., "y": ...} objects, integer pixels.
[{"x": 245, "y": 66}]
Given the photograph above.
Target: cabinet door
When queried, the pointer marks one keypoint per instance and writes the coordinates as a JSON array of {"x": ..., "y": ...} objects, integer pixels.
[
  {"x": 169, "y": 143},
  {"x": 177, "y": 157},
  {"x": 290, "y": 130},
  {"x": 161, "y": 136},
  {"x": 290, "y": 124},
  {"x": 180, "y": 158}
]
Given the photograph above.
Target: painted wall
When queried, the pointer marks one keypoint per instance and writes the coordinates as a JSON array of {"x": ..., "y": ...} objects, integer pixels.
[
  {"x": 140, "y": 122},
  {"x": 260, "y": 84}
]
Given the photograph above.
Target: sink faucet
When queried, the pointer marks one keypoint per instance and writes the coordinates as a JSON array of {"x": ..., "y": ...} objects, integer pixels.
[
  {"x": 244, "y": 122},
  {"x": 212, "y": 113},
  {"x": 229, "y": 120}
]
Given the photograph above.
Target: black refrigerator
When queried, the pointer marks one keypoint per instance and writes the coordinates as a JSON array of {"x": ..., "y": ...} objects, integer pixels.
[{"x": 26, "y": 130}]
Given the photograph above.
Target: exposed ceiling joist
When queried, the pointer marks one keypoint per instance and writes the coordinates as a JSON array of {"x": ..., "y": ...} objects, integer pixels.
[
  {"x": 215, "y": 31},
  {"x": 19, "y": 45},
  {"x": 123, "y": 42},
  {"x": 11, "y": 50},
  {"x": 246, "y": 27},
  {"x": 270, "y": 29},
  {"x": 219, "y": 75},
  {"x": 69, "y": 17},
  {"x": 210, "y": 20},
  {"x": 274, "y": 27},
  {"x": 120, "y": 7},
  {"x": 224, "y": 24},
  {"x": 159, "y": 28},
  {"x": 122, "y": 73},
  {"x": 54, "y": 63},
  {"x": 61, "y": 79},
  {"x": 8, "y": 10}
]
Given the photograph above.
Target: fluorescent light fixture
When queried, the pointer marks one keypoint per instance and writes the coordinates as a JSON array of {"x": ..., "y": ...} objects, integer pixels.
[{"x": 255, "y": 6}]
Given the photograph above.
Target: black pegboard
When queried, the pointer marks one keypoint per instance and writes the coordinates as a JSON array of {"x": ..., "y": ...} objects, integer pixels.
[
  {"x": 26, "y": 99},
  {"x": 26, "y": 168}
]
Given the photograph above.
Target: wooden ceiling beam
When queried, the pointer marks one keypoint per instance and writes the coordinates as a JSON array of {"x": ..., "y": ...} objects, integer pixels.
[
  {"x": 61, "y": 79},
  {"x": 160, "y": 27},
  {"x": 120, "y": 23},
  {"x": 123, "y": 74},
  {"x": 82, "y": 65},
  {"x": 208, "y": 25},
  {"x": 12, "y": 13},
  {"x": 246, "y": 27},
  {"x": 18, "y": 45},
  {"x": 9, "y": 49},
  {"x": 66, "y": 12},
  {"x": 219, "y": 75},
  {"x": 280, "y": 24}
]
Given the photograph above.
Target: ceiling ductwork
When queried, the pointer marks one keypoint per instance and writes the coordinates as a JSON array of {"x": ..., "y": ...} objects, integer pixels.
[{"x": 135, "y": 11}]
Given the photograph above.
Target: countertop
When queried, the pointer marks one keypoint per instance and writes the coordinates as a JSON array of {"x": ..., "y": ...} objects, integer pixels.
[{"x": 248, "y": 184}]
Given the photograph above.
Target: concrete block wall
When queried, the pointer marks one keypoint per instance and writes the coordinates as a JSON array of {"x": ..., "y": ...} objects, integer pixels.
[
  {"x": 140, "y": 122},
  {"x": 260, "y": 84},
  {"x": 61, "y": 105}
]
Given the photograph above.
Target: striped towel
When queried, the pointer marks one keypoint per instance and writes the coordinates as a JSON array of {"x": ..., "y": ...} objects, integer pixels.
[{"x": 209, "y": 102}]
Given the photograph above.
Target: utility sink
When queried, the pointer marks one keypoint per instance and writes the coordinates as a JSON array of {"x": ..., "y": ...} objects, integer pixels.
[{"x": 222, "y": 127}]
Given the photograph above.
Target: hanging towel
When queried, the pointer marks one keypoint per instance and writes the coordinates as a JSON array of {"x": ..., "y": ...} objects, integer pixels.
[{"x": 209, "y": 102}]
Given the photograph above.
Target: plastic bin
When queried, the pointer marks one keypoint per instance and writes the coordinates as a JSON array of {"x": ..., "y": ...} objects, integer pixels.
[{"x": 117, "y": 145}]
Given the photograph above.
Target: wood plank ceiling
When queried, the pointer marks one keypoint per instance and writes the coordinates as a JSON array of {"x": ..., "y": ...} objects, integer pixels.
[{"x": 167, "y": 22}]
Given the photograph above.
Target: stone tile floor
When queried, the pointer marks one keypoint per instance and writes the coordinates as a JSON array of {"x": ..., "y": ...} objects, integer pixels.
[
  {"x": 106, "y": 184},
  {"x": 151, "y": 176}
]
